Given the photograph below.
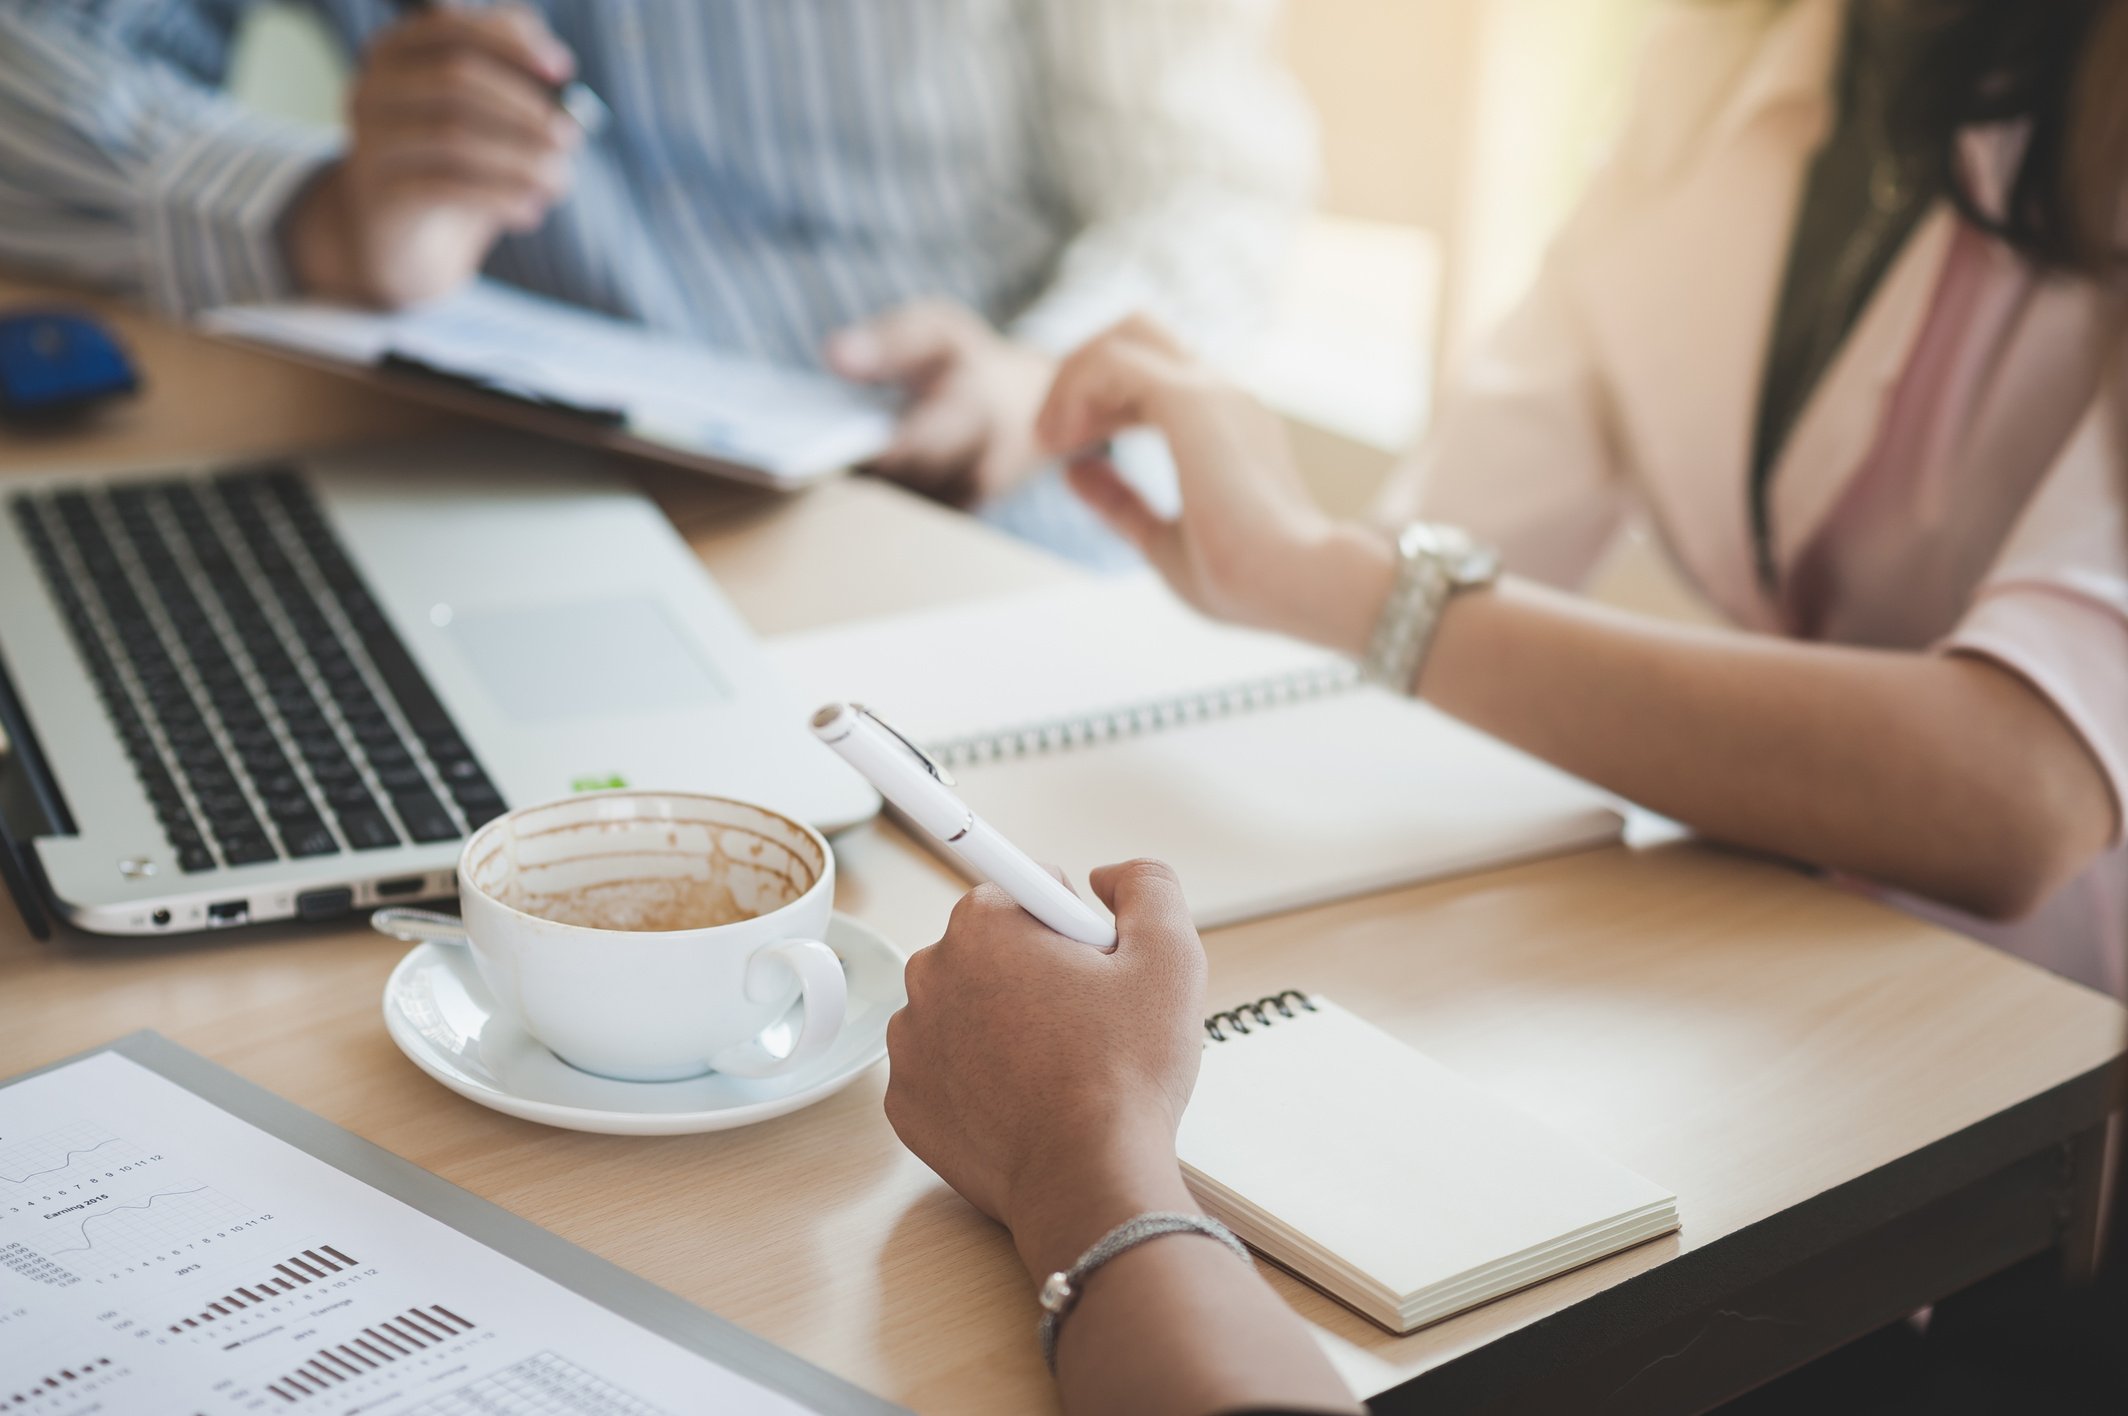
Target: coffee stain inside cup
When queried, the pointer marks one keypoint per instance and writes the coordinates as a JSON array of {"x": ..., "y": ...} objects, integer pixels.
[
  {"x": 729, "y": 864},
  {"x": 652, "y": 897},
  {"x": 647, "y": 904}
]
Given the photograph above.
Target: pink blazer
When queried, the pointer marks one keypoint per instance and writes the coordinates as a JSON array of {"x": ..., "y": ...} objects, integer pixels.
[{"x": 1957, "y": 483}]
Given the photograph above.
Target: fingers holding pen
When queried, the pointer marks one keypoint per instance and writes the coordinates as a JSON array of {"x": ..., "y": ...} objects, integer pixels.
[
  {"x": 446, "y": 91},
  {"x": 456, "y": 108},
  {"x": 512, "y": 35}
]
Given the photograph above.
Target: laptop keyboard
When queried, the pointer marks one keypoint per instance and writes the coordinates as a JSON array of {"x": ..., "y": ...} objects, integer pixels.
[{"x": 267, "y": 706}]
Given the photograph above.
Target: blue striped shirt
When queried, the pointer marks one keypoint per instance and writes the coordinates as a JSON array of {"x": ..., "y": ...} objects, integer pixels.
[{"x": 776, "y": 168}]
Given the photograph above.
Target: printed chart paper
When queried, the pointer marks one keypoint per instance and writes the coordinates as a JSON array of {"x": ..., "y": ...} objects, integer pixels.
[{"x": 161, "y": 1257}]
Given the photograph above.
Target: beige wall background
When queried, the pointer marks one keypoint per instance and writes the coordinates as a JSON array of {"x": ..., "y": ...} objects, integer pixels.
[{"x": 1474, "y": 120}]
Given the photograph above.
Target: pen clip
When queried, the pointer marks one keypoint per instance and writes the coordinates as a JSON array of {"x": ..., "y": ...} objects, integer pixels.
[{"x": 922, "y": 756}]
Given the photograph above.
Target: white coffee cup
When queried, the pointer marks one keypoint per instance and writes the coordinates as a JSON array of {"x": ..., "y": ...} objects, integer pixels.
[{"x": 654, "y": 936}]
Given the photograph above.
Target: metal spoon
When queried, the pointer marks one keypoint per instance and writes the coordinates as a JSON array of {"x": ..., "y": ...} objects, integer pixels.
[{"x": 411, "y": 926}]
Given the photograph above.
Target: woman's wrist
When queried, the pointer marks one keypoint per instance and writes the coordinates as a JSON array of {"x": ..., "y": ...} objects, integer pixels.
[
  {"x": 1061, "y": 1209},
  {"x": 1331, "y": 589}
]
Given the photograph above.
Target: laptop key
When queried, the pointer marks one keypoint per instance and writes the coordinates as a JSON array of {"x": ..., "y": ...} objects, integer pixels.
[
  {"x": 425, "y": 818},
  {"x": 226, "y": 803},
  {"x": 199, "y": 757},
  {"x": 308, "y": 838},
  {"x": 320, "y": 747},
  {"x": 288, "y": 811},
  {"x": 279, "y": 784},
  {"x": 264, "y": 763},
  {"x": 402, "y": 777},
  {"x": 481, "y": 813},
  {"x": 389, "y": 754},
  {"x": 444, "y": 744},
  {"x": 462, "y": 769},
  {"x": 334, "y": 767},
  {"x": 246, "y": 849},
  {"x": 472, "y": 795},
  {"x": 368, "y": 830},
  {"x": 350, "y": 796}
]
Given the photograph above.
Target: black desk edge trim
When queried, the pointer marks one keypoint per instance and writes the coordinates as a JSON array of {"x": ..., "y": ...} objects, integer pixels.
[{"x": 1693, "y": 1280}]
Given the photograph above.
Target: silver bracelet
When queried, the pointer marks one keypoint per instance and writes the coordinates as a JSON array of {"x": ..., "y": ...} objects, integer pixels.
[{"x": 1060, "y": 1291}]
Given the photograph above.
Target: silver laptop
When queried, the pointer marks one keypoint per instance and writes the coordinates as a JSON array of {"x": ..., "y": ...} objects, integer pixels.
[{"x": 291, "y": 689}]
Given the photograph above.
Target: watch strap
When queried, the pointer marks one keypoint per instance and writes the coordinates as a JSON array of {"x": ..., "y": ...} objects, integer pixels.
[{"x": 1434, "y": 564}]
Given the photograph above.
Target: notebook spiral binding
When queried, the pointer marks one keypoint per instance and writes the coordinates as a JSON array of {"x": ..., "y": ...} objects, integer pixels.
[
  {"x": 1261, "y": 1010},
  {"x": 1138, "y": 719}
]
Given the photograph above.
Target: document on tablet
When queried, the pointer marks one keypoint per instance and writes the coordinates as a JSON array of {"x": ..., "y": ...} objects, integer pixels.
[
  {"x": 659, "y": 393},
  {"x": 160, "y": 1252}
]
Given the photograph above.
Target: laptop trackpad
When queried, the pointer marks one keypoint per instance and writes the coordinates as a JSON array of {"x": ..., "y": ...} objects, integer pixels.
[{"x": 587, "y": 659}]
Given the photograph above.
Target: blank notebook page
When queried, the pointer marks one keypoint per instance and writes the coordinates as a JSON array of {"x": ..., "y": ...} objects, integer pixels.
[
  {"x": 1079, "y": 651},
  {"x": 1107, "y": 720},
  {"x": 1390, "y": 1181}
]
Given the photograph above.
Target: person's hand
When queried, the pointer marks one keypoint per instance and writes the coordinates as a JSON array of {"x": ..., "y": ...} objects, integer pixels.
[
  {"x": 1044, "y": 1079},
  {"x": 454, "y": 139},
  {"x": 967, "y": 433},
  {"x": 1251, "y": 544}
]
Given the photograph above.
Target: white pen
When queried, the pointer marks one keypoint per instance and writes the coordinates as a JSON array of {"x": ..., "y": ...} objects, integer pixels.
[{"x": 923, "y": 793}]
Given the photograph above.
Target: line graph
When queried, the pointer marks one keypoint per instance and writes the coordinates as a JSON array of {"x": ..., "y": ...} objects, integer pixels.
[
  {"x": 40, "y": 1168},
  {"x": 78, "y": 1202},
  {"x": 145, "y": 1229},
  {"x": 88, "y": 1242},
  {"x": 66, "y": 1159}
]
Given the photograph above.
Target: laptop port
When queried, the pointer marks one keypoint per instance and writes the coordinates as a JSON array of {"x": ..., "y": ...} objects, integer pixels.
[
  {"x": 159, "y": 918},
  {"x": 324, "y": 904},
  {"x": 229, "y": 912},
  {"x": 405, "y": 885}
]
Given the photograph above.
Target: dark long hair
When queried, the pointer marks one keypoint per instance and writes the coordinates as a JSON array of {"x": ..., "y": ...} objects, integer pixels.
[{"x": 2060, "y": 65}]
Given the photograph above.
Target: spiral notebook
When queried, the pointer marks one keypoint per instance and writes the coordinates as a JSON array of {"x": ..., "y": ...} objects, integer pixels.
[
  {"x": 1103, "y": 720},
  {"x": 1395, "y": 1186}
]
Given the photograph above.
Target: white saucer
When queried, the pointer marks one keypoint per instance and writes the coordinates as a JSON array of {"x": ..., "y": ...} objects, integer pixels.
[{"x": 442, "y": 1017}]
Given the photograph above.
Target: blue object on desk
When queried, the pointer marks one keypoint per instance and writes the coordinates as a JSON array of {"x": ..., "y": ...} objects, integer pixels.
[{"x": 55, "y": 362}]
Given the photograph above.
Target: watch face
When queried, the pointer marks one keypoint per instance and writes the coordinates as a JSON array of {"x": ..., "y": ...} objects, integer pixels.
[
  {"x": 1463, "y": 560},
  {"x": 1477, "y": 565}
]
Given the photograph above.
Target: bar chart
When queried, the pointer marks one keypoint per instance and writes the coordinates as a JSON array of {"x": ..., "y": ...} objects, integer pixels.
[
  {"x": 290, "y": 1274},
  {"x": 382, "y": 1344},
  {"x": 160, "y": 1256},
  {"x": 62, "y": 1387}
]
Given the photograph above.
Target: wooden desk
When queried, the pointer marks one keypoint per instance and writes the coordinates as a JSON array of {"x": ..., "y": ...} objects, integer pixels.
[{"x": 1858, "y": 1112}]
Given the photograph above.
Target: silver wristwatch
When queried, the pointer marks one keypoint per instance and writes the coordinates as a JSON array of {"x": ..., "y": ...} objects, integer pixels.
[{"x": 1435, "y": 563}]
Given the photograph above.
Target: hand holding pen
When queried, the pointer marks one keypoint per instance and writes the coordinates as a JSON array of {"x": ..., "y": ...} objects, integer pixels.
[
  {"x": 923, "y": 794},
  {"x": 463, "y": 126},
  {"x": 570, "y": 94}
]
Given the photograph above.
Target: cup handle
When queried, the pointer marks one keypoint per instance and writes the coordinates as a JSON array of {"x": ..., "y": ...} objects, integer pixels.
[{"x": 823, "y": 992}]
